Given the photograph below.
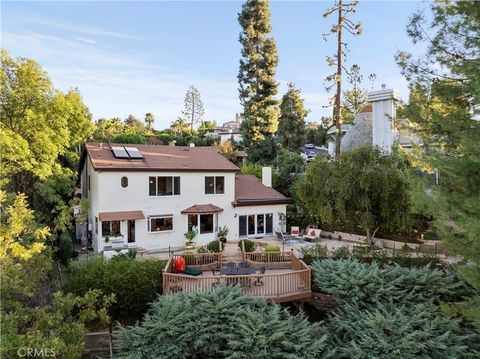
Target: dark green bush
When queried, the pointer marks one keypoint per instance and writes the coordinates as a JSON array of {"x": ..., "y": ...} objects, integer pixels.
[
  {"x": 64, "y": 250},
  {"x": 220, "y": 324},
  {"x": 249, "y": 245},
  {"x": 135, "y": 283},
  {"x": 214, "y": 246},
  {"x": 341, "y": 252}
]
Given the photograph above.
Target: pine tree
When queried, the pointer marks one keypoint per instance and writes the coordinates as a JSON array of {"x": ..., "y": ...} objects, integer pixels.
[
  {"x": 343, "y": 23},
  {"x": 443, "y": 104},
  {"x": 291, "y": 127},
  {"x": 257, "y": 85},
  {"x": 193, "y": 110}
]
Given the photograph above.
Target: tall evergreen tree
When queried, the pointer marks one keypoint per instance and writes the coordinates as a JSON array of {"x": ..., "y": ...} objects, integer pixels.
[
  {"x": 355, "y": 97},
  {"x": 343, "y": 9},
  {"x": 193, "y": 110},
  {"x": 291, "y": 127},
  {"x": 257, "y": 85},
  {"x": 444, "y": 100}
]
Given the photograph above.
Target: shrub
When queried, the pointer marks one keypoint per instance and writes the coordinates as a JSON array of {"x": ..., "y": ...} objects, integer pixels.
[
  {"x": 64, "y": 250},
  {"x": 133, "y": 138},
  {"x": 341, "y": 252},
  {"x": 393, "y": 331},
  {"x": 249, "y": 245},
  {"x": 367, "y": 284},
  {"x": 214, "y": 246},
  {"x": 134, "y": 283},
  {"x": 272, "y": 248},
  {"x": 222, "y": 324}
]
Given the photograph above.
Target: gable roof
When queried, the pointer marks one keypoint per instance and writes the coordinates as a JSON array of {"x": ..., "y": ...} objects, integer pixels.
[
  {"x": 250, "y": 191},
  {"x": 157, "y": 158}
]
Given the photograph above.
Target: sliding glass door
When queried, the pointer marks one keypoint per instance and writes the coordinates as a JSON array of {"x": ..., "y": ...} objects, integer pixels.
[{"x": 255, "y": 225}]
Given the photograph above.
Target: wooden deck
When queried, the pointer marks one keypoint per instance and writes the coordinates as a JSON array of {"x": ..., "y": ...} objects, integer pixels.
[{"x": 286, "y": 279}]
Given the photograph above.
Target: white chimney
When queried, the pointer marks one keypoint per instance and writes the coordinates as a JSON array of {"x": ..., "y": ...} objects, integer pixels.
[
  {"x": 267, "y": 176},
  {"x": 192, "y": 144},
  {"x": 383, "y": 117}
]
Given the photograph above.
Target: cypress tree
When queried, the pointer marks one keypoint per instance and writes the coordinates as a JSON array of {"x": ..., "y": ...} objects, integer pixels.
[{"x": 257, "y": 86}]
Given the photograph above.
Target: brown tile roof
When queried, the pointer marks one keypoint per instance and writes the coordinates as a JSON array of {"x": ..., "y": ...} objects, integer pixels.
[
  {"x": 158, "y": 157},
  {"x": 250, "y": 191},
  {"x": 120, "y": 216},
  {"x": 202, "y": 208}
]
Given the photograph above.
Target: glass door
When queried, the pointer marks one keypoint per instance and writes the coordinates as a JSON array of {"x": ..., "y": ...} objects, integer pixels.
[{"x": 131, "y": 231}]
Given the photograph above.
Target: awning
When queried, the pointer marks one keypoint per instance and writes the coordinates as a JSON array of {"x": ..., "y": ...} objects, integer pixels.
[
  {"x": 202, "y": 209},
  {"x": 120, "y": 216}
]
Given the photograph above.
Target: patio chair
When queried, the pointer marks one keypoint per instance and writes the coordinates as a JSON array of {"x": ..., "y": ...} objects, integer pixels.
[
  {"x": 259, "y": 281},
  {"x": 232, "y": 266},
  {"x": 294, "y": 231}
]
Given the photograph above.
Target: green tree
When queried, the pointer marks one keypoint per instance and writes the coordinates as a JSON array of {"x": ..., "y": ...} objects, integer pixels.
[
  {"x": 38, "y": 124},
  {"x": 355, "y": 97},
  {"x": 193, "y": 110},
  {"x": 291, "y": 127},
  {"x": 207, "y": 126},
  {"x": 443, "y": 108},
  {"x": 106, "y": 129},
  {"x": 316, "y": 133},
  {"x": 34, "y": 313},
  {"x": 365, "y": 188},
  {"x": 149, "y": 121},
  {"x": 227, "y": 325},
  {"x": 227, "y": 150},
  {"x": 129, "y": 138},
  {"x": 343, "y": 23},
  {"x": 257, "y": 85},
  {"x": 179, "y": 126}
]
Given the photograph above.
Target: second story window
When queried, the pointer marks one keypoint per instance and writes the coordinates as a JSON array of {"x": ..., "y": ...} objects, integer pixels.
[
  {"x": 164, "y": 186},
  {"x": 214, "y": 185}
]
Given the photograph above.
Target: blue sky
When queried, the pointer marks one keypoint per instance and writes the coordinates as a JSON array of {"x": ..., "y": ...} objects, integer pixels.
[{"x": 138, "y": 57}]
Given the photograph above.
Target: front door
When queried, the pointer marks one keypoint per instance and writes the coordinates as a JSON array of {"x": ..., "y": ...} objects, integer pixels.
[{"x": 131, "y": 231}]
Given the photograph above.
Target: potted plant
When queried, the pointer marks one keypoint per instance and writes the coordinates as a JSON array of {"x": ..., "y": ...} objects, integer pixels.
[
  {"x": 222, "y": 234},
  {"x": 189, "y": 236}
]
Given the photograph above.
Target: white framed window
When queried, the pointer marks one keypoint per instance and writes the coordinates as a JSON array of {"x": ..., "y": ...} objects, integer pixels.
[
  {"x": 160, "y": 223},
  {"x": 164, "y": 185},
  {"x": 214, "y": 185}
]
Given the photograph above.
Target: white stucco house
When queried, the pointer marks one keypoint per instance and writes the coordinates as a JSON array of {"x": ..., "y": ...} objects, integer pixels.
[{"x": 149, "y": 196}]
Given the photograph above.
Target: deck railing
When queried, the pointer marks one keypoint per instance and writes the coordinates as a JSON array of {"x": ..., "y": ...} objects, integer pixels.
[{"x": 292, "y": 284}]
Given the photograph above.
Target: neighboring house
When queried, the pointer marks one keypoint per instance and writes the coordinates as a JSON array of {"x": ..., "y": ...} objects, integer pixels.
[
  {"x": 149, "y": 196},
  {"x": 375, "y": 124},
  {"x": 229, "y": 130}
]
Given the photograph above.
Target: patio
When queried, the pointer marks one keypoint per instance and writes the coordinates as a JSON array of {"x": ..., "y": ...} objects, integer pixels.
[{"x": 286, "y": 277}]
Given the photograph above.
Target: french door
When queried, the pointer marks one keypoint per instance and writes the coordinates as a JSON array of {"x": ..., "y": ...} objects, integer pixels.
[{"x": 255, "y": 225}]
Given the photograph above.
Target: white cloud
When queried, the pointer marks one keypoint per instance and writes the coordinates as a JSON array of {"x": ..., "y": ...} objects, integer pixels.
[{"x": 86, "y": 40}]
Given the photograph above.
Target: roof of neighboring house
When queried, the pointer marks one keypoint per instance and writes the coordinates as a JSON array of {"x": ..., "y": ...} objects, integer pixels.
[
  {"x": 250, "y": 191},
  {"x": 344, "y": 128},
  {"x": 157, "y": 158},
  {"x": 120, "y": 216},
  {"x": 202, "y": 209}
]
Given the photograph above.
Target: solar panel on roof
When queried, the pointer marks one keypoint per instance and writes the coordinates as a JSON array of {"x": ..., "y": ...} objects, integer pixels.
[
  {"x": 133, "y": 152},
  {"x": 119, "y": 152}
]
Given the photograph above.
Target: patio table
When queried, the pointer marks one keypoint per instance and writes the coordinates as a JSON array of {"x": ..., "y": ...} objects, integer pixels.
[{"x": 238, "y": 271}]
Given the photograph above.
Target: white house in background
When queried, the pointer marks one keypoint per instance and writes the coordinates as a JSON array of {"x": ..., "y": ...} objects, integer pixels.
[
  {"x": 149, "y": 196},
  {"x": 375, "y": 124},
  {"x": 229, "y": 130}
]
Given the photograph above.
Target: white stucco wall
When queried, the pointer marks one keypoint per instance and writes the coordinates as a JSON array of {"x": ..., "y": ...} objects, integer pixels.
[{"x": 383, "y": 117}]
